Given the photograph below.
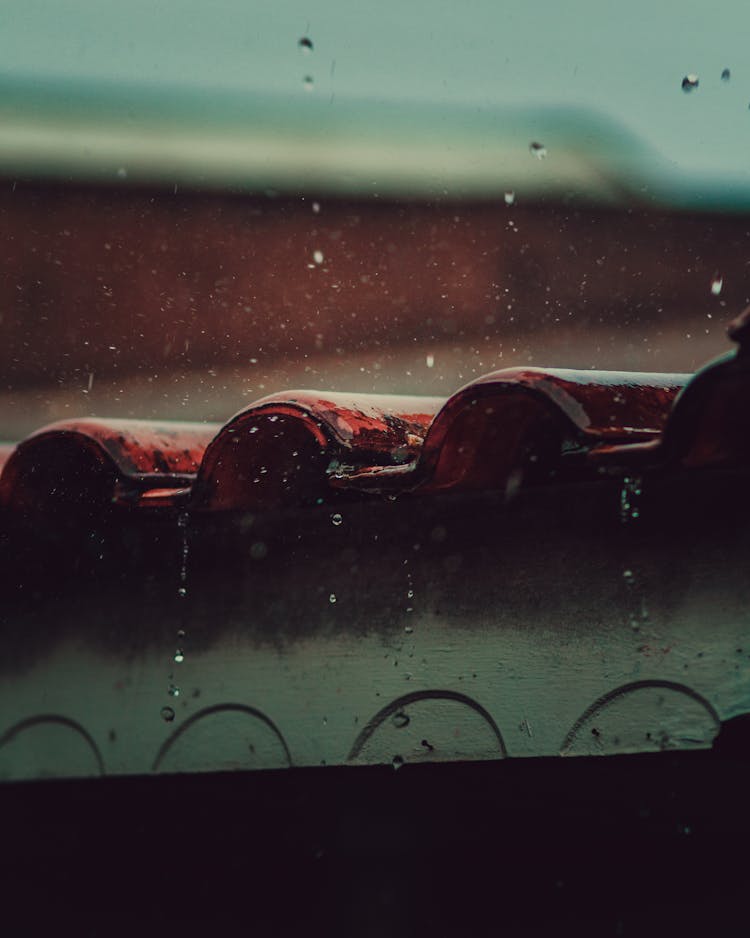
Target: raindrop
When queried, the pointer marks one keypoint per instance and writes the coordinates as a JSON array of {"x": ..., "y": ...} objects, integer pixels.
[
  {"x": 400, "y": 720},
  {"x": 180, "y": 633},
  {"x": 182, "y": 592},
  {"x": 336, "y": 519},
  {"x": 537, "y": 149},
  {"x": 258, "y": 550},
  {"x": 179, "y": 656},
  {"x": 332, "y": 598},
  {"x": 397, "y": 762},
  {"x": 318, "y": 257},
  {"x": 430, "y": 361},
  {"x": 510, "y": 196},
  {"x": 122, "y": 173},
  {"x": 307, "y": 83},
  {"x": 726, "y": 75},
  {"x": 689, "y": 82},
  {"x": 316, "y": 208},
  {"x": 408, "y": 629},
  {"x": 628, "y": 576},
  {"x": 306, "y": 45},
  {"x": 167, "y": 714},
  {"x": 410, "y": 594},
  {"x": 173, "y": 690},
  {"x": 716, "y": 284},
  {"x": 630, "y": 492}
]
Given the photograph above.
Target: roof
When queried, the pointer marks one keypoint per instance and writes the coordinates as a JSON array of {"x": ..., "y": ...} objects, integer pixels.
[
  {"x": 303, "y": 446},
  {"x": 506, "y": 429}
]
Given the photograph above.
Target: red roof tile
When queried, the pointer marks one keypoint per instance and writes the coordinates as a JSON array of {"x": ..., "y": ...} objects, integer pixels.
[
  {"x": 106, "y": 459},
  {"x": 302, "y": 447},
  {"x": 285, "y": 446}
]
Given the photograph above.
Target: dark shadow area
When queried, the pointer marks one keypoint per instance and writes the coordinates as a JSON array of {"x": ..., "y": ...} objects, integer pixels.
[{"x": 635, "y": 845}]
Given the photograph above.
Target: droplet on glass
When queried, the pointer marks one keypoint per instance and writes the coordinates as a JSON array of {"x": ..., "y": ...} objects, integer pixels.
[
  {"x": 306, "y": 45},
  {"x": 307, "y": 83},
  {"x": 400, "y": 720},
  {"x": 179, "y": 656},
  {"x": 430, "y": 361},
  {"x": 397, "y": 762},
  {"x": 689, "y": 82},
  {"x": 167, "y": 714},
  {"x": 318, "y": 257},
  {"x": 258, "y": 550},
  {"x": 537, "y": 149},
  {"x": 726, "y": 75},
  {"x": 716, "y": 284},
  {"x": 336, "y": 519},
  {"x": 510, "y": 196},
  {"x": 332, "y": 598}
]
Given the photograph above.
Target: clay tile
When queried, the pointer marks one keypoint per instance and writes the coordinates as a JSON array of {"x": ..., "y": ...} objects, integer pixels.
[
  {"x": 91, "y": 462},
  {"x": 707, "y": 426},
  {"x": 523, "y": 421},
  {"x": 289, "y": 448}
]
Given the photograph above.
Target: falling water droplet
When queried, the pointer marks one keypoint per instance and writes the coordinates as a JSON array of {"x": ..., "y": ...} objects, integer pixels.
[
  {"x": 510, "y": 196},
  {"x": 318, "y": 257},
  {"x": 726, "y": 75},
  {"x": 430, "y": 361},
  {"x": 630, "y": 493},
  {"x": 167, "y": 714},
  {"x": 179, "y": 656},
  {"x": 306, "y": 45},
  {"x": 628, "y": 576},
  {"x": 336, "y": 519},
  {"x": 410, "y": 594},
  {"x": 316, "y": 208},
  {"x": 537, "y": 149},
  {"x": 332, "y": 598},
  {"x": 400, "y": 720},
  {"x": 716, "y": 284},
  {"x": 182, "y": 592},
  {"x": 307, "y": 83},
  {"x": 397, "y": 762},
  {"x": 173, "y": 690},
  {"x": 259, "y": 550},
  {"x": 689, "y": 82}
]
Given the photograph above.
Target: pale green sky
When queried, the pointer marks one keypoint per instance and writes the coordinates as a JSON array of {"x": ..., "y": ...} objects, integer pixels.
[{"x": 624, "y": 59}]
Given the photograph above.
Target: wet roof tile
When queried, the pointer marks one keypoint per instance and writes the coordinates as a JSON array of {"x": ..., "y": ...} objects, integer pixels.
[{"x": 505, "y": 429}]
